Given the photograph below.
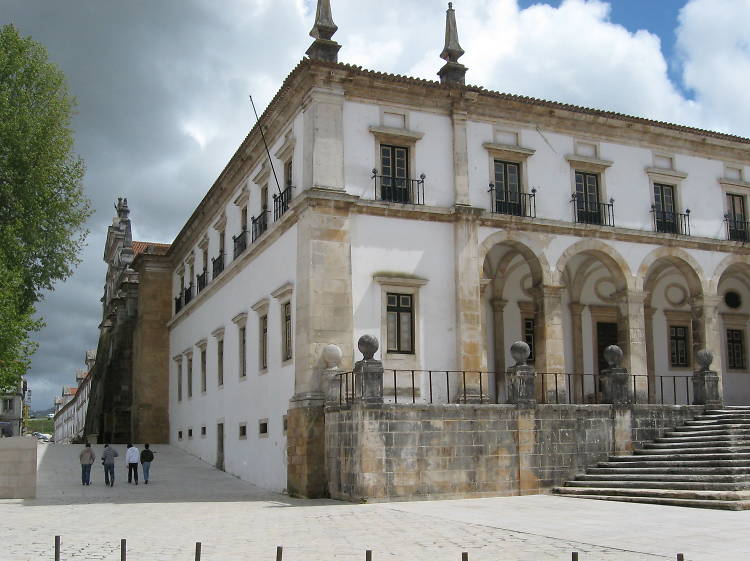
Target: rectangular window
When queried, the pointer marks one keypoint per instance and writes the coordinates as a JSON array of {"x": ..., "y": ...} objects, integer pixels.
[
  {"x": 220, "y": 361},
  {"x": 203, "y": 370},
  {"x": 287, "y": 334},
  {"x": 400, "y": 327},
  {"x": 264, "y": 199},
  {"x": 678, "y": 346},
  {"x": 263, "y": 343},
  {"x": 179, "y": 381},
  {"x": 284, "y": 423},
  {"x": 8, "y": 405},
  {"x": 203, "y": 431},
  {"x": 736, "y": 349},
  {"x": 179, "y": 435},
  {"x": 190, "y": 377},
  {"x": 243, "y": 352},
  {"x": 666, "y": 220},
  {"x": 222, "y": 240},
  {"x": 588, "y": 210},
  {"x": 243, "y": 219},
  {"x": 736, "y": 218},
  {"x": 288, "y": 173},
  {"x": 263, "y": 427},
  {"x": 528, "y": 336},
  {"x": 508, "y": 189},
  {"x": 394, "y": 166},
  {"x": 190, "y": 433},
  {"x": 243, "y": 430}
]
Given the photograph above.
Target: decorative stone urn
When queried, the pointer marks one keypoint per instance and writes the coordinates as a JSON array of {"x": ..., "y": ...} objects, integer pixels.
[
  {"x": 368, "y": 372},
  {"x": 706, "y": 381},
  {"x": 521, "y": 378},
  {"x": 616, "y": 387}
]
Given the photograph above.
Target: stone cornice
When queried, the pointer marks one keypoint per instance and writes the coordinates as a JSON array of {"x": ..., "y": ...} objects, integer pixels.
[
  {"x": 668, "y": 174},
  {"x": 734, "y": 183},
  {"x": 508, "y": 151}
]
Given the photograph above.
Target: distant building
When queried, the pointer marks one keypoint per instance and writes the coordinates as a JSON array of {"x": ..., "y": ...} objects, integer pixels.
[
  {"x": 11, "y": 412},
  {"x": 71, "y": 406},
  {"x": 129, "y": 394}
]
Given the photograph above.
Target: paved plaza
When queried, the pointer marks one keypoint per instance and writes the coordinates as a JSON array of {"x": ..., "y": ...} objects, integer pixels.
[{"x": 188, "y": 501}]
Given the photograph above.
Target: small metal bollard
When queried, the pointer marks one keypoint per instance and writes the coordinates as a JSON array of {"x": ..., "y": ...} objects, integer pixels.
[
  {"x": 465, "y": 556},
  {"x": 123, "y": 550},
  {"x": 57, "y": 548},
  {"x": 279, "y": 552},
  {"x": 368, "y": 555},
  {"x": 197, "y": 551},
  {"x": 680, "y": 557},
  {"x": 574, "y": 556}
]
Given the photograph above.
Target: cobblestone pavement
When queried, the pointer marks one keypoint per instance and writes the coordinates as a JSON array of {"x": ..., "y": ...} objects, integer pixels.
[{"x": 188, "y": 501}]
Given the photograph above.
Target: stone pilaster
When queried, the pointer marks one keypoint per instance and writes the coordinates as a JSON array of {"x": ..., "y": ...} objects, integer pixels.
[
  {"x": 706, "y": 333},
  {"x": 323, "y": 307},
  {"x": 633, "y": 339},
  {"x": 470, "y": 349},
  {"x": 498, "y": 319},
  {"x": 576, "y": 311},
  {"x": 323, "y": 147},
  {"x": 460, "y": 158},
  {"x": 550, "y": 355},
  {"x": 648, "y": 318}
]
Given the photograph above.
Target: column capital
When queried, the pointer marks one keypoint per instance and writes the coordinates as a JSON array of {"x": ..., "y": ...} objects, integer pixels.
[
  {"x": 576, "y": 308},
  {"x": 634, "y": 296},
  {"x": 498, "y": 304},
  {"x": 547, "y": 291},
  {"x": 709, "y": 301}
]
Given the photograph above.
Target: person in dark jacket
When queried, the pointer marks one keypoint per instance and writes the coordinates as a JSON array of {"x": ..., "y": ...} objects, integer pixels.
[
  {"x": 108, "y": 461},
  {"x": 147, "y": 456}
]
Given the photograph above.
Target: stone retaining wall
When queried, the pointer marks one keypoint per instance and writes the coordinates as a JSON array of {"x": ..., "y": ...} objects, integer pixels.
[
  {"x": 455, "y": 451},
  {"x": 17, "y": 468}
]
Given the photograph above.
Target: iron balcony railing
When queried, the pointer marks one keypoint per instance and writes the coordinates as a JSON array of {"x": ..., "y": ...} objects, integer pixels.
[
  {"x": 202, "y": 280},
  {"x": 217, "y": 264},
  {"x": 585, "y": 212},
  {"x": 456, "y": 386},
  {"x": 668, "y": 222},
  {"x": 399, "y": 190},
  {"x": 260, "y": 224},
  {"x": 737, "y": 230},
  {"x": 513, "y": 203},
  {"x": 187, "y": 295},
  {"x": 281, "y": 202},
  {"x": 178, "y": 304},
  {"x": 240, "y": 243}
]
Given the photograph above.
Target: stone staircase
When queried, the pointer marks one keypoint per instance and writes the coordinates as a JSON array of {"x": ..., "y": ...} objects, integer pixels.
[{"x": 705, "y": 463}]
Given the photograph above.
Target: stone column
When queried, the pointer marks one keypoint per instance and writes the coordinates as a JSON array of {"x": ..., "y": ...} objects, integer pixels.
[
  {"x": 576, "y": 311},
  {"x": 323, "y": 308},
  {"x": 633, "y": 337},
  {"x": 470, "y": 348},
  {"x": 498, "y": 318},
  {"x": 648, "y": 318},
  {"x": 550, "y": 356},
  {"x": 706, "y": 332}
]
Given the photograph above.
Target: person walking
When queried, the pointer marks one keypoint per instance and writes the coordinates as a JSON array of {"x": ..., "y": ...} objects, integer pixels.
[
  {"x": 108, "y": 461},
  {"x": 131, "y": 457},
  {"x": 147, "y": 456},
  {"x": 86, "y": 458}
]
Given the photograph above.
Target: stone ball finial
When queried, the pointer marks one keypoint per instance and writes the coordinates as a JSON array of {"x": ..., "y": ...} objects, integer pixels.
[
  {"x": 613, "y": 356},
  {"x": 332, "y": 356},
  {"x": 704, "y": 358},
  {"x": 368, "y": 345},
  {"x": 520, "y": 352}
]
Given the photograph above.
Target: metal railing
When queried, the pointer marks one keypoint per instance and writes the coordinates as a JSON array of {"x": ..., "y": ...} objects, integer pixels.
[
  {"x": 240, "y": 243},
  {"x": 737, "y": 230},
  {"x": 178, "y": 304},
  {"x": 259, "y": 224},
  {"x": 467, "y": 386},
  {"x": 187, "y": 295},
  {"x": 202, "y": 280},
  {"x": 668, "y": 222},
  {"x": 601, "y": 214},
  {"x": 399, "y": 190},
  {"x": 281, "y": 202},
  {"x": 513, "y": 203},
  {"x": 217, "y": 264}
]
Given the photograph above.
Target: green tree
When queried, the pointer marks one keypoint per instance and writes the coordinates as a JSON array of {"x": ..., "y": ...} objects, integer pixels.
[{"x": 42, "y": 204}]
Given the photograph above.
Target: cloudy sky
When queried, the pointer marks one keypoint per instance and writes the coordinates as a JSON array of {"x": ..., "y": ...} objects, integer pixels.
[{"x": 162, "y": 89}]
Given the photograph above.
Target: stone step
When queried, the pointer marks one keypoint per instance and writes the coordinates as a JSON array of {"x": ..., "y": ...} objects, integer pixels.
[
  {"x": 644, "y": 462},
  {"x": 724, "y": 418},
  {"x": 721, "y": 505},
  {"x": 718, "y": 422},
  {"x": 687, "y": 437},
  {"x": 686, "y": 454},
  {"x": 705, "y": 442},
  {"x": 709, "y": 430},
  {"x": 665, "y": 485},
  {"x": 600, "y": 474},
  {"x": 624, "y": 469},
  {"x": 659, "y": 493},
  {"x": 737, "y": 407}
]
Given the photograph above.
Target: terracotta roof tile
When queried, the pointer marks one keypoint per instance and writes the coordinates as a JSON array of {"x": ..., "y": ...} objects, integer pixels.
[{"x": 150, "y": 247}]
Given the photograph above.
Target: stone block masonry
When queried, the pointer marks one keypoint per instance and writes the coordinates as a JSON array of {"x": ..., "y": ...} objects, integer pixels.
[
  {"x": 17, "y": 468},
  {"x": 383, "y": 452}
]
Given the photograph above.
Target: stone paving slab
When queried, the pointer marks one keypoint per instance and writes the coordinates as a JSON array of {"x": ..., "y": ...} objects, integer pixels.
[{"x": 189, "y": 501}]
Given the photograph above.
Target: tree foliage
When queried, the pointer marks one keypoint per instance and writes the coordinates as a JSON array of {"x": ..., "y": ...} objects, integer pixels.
[{"x": 42, "y": 205}]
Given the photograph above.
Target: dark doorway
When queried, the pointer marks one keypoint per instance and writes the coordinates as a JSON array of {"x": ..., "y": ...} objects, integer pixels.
[
  {"x": 220, "y": 446},
  {"x": 606, "y": 335}
]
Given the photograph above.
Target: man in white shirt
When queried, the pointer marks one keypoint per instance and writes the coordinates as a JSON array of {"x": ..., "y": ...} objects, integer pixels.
[{"x": 132, "y": 456}]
